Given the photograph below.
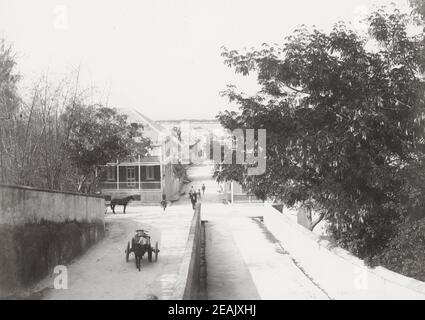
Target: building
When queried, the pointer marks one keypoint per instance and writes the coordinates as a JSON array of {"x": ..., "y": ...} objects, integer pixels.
[
  {"x": 233, "y": 192},
  {"x": 146, "y": 178},
  {"x": 198, "y": 137}
]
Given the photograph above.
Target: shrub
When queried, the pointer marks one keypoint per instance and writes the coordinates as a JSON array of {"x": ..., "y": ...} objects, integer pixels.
[
  {"x": 368, "y": 238},
  {"x": 405, "y": 252}
]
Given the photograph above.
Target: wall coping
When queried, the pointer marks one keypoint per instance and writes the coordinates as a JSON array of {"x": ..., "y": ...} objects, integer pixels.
[
  {"x": 184, "y": 271},
  {"x": 26, "y": 188},
  {"x": 379, "y": 271}
]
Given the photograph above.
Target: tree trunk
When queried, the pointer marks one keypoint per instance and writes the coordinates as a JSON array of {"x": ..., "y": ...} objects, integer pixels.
[{"x": 317, "y": 221}]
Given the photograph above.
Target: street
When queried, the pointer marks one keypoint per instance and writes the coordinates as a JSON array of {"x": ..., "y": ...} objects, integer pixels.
[
  {"x": 102, "y": 272},
  {"x": 243, "y": 260}
]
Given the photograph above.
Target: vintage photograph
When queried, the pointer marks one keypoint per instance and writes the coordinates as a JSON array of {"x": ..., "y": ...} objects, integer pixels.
[{"x": 226, "y": 150}]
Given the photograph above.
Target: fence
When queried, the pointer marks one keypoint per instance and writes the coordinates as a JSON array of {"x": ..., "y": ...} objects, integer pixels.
[{"x": 134, "y": 185}]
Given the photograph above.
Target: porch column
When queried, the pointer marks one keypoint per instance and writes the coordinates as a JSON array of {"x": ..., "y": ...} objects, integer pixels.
[
  {"x": 231, "y": 192},
  {"x": 161, "y": 179},
  {"x": 161, "y": 161},
  {"x": 118, "y": 175},
  {"x": 140, "y": 182}
]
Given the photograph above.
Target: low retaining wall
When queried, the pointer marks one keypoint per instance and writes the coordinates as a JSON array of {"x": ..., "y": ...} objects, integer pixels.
[
  {"x": 188, "y": 283},
  {"x": 40, "y": 229},
  {"x": 336, "y": 271}
]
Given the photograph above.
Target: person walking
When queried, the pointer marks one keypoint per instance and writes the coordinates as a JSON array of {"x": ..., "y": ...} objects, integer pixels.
[
  {"x": 193, "y": 198},
  {"x": 199, "y": 193},
  {"x": 164, "y": 201},
  {"x": 203, "y": 189}
]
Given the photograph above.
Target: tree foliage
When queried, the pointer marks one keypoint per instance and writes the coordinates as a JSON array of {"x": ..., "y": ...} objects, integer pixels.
[
  {"x": 344, "y": 118},
  {"x": 9, "y": 78},
  {"x": 99, "y": 135},
  {"x": 9, "y": 100},
  {"x": 418, "y": 8},
  {"x": 53, "y": 137},
  {"x": 405, "y": 252}
]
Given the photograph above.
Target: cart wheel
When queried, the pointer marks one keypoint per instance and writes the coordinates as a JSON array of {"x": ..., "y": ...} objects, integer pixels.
[
  {"x": 127, "y": 252},
  {"x": 156, "y": 251},
  {"x": 150, "y": 254}
]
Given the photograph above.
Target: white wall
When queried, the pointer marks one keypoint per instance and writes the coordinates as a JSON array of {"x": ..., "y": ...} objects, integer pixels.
[
  {"x": 20, "y": 205},
  {"x": 337, "y": 272}
]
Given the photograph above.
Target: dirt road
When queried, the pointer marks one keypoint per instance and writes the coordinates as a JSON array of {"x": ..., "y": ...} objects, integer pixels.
[
  {"x": 243, "y": 260},
  {"x": 102, "y": 272}
]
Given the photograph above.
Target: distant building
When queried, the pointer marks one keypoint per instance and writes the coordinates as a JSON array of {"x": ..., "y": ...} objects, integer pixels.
[
  {"x": 146, "y": 178},
  {"x": 234, "y": 193},
  {"x": 198, "y": 136}
]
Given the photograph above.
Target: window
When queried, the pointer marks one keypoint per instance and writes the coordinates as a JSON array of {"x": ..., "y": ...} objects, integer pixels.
[
  {"x": 131, "y": 177},
  {"x": 110, "y": 173},
  {"x": 150, "y": 173}
]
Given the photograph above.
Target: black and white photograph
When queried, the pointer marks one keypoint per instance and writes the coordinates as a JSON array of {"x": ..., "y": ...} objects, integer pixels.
[{"x": 212, "y": 154}]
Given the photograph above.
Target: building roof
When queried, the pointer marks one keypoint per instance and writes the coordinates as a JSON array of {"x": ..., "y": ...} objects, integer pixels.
[
  {"x": 136, "y": 116},
  {"x": 164, "y": 134},
  {"x": 154, "y": 125}
]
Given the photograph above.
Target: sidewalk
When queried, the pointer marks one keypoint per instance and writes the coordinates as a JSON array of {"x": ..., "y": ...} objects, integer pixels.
[{"x": 244, "y": 261}]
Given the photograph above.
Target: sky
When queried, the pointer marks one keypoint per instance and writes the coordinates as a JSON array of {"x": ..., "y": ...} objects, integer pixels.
[{"x": 160, "y": 57}]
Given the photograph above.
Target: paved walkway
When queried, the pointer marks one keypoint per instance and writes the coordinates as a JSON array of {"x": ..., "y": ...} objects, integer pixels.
[{"x": 243, "y": 259}]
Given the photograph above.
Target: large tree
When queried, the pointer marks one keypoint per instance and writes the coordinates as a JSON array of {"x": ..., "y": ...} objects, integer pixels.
[
  {"x": 9, "y": 102},
  {"x": 344, "y": 118},
  {"x": 99, "y": 135},
  {"x": 53, "y": 138}
]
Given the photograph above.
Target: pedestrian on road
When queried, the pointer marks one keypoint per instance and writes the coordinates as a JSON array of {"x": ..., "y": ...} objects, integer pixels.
[
  {"x": 193, "y": 198},
  {"x": 203, "y": 189},
  {"x": 164, "y": 201},
  {"x": 199, "y": 193}
]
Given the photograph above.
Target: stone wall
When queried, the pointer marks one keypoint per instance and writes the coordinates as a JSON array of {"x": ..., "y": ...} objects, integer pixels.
[{"x": 40, "y": 229}]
